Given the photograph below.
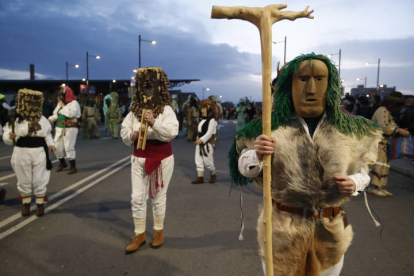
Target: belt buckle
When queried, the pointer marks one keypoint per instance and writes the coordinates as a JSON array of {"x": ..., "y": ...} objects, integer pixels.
[{"x": 320, "y": 210}]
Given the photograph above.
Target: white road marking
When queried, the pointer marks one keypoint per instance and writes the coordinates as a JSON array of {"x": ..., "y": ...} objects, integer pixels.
[
  {"x": 220, "y": 126},
  {"x": 5, "y": 157},
  {"x": 13, "y": 174},
  {"x": 60, "y": 202},
  {"x": 71, "y": 187}
]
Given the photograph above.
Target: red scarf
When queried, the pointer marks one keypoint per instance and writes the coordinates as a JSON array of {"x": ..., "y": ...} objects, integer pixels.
[
  {"x": 155, "y": 151},
  {"x": 69, "y": 95}
]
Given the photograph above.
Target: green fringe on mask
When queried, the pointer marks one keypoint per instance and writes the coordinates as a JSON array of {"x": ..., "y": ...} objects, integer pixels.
[{"x": 283, "y": 107}]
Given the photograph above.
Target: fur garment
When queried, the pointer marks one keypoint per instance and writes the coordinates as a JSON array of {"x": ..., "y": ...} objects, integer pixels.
[{"x": 302, "y": 176}]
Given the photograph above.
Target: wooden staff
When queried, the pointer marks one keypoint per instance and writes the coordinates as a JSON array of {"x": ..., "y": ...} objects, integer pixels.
[
  {"x": 263, "y": 19},
  {"x": 143, "y": 131}
]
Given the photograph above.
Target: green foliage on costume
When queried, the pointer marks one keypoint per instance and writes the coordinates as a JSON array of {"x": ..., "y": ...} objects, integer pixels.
[{"x": 283, "y": 108}]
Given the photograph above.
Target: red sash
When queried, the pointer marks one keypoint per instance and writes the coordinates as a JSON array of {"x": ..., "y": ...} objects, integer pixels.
[{"x": 155, "y": 151}]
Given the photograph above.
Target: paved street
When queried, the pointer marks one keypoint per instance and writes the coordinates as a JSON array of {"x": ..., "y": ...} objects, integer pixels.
[{"x": 88, "y": 221}]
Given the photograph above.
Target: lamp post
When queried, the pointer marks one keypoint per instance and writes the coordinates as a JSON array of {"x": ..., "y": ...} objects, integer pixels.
[
  {"x": 207, "y": 89},
  {"x": 339, "y": 64},
  {"x": 67, "y": 70},
  {"x": 110, "y": 85},
  {"x": 87, "y": 69},
  {"x": 275, "y": 42},
  {"x": 365, "y": 85},
  {"x": 139, "y": 48},
  {"x": 379, "y": 61}
]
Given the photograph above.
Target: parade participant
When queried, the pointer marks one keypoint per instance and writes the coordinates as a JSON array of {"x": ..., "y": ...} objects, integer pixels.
[
  {"x": 4, "y": 110},
  {"x": 3, "y": 191},
  {"x": 106, "y": 104},
  {"x": 90, "y": 118},
  {"x": 66, "y": 113},
  {"x": 320, "y": 158},
  {"x": 30, "y": 133},
  {"x": 206, "y": 139},
  {"x": 151, "y": 168},
  {"x": 241, "y": 114},
  {"x": 113, "y": 116},
  {"x": 192, "y": 114},
  {"x": 383, "y": 118}
]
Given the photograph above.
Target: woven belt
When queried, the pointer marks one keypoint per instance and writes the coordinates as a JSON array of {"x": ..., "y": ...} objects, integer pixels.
[
  {"x": 313, "y": 213},
  {"x": 60, "y": 123}
]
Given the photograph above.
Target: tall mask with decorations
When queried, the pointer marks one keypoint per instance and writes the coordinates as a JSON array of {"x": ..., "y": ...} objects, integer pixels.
[
  {"x": 29, "y": 107},
  {"x": 151, "y": 91}
]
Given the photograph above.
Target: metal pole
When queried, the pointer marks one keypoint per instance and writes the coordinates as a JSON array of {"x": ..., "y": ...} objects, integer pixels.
[
  {"x": 285, "y": 50},
  {"x": 339, "y": 66},
  {"x": 87, "y": 72},
  {"x": 139, "y": 51},
  {"x": 67, "y": 71},
  {"x": 378, "y": 73},
  {"x": 203, "y": 94},
  {"x": 365, "y": 86}
]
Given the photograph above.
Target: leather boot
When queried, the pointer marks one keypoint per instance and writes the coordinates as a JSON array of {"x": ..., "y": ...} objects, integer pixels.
[
  {"x": 198, "y": 180},
  {"x": 213, "y": 178},
  {"x": 40, "y": 210},
  {"x": 3, "y": 193},
  {"x": 72, "y": 168},
  {"x": 25, "y": 209},
  {"x": 62, "y": 165},
  {"x": 136, "y": 242},
  {"x": 157, "y": 239}
]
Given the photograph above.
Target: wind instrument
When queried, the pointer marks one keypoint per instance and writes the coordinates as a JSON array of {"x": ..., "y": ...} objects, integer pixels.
[{"x": 143, "y": 131}]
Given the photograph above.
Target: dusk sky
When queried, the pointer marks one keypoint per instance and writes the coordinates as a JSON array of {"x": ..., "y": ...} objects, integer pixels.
[{"x": 223, "y": 54}]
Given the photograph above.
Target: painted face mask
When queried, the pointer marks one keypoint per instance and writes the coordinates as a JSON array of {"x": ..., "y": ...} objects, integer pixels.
[
  {"x": 309, "y": 86},
  {"x": 29, "y": 106}
]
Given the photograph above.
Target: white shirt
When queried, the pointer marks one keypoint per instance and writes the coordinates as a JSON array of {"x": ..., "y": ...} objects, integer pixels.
[
  {"x": 212, "y": 129},
  {"x": 70, "y": 110},
  {"x": 165, "y": 127}
]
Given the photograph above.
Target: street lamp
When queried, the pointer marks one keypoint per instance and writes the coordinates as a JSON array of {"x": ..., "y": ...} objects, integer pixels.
[
  {"x": 207, "y": 89},
  {"x": 67, "y": 70},
  {"x": 365, "y": 85},
  {"x": 87, "y": 69},
  {"x": 339, "y": 64},
  {"x": 139, "y": 48},
  {"x": 379, "y": 61},
  {"x": 275, "y": 42}
]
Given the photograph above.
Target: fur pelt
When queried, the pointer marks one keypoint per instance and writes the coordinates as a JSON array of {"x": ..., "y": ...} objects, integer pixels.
[{"x": 302, "y": 176}]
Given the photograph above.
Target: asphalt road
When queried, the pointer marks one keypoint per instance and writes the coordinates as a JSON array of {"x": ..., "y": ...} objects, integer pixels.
[{"x": 88, "y": 221}]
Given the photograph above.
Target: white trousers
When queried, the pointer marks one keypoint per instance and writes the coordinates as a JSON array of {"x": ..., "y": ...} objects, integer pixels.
[
  {"x": 334, "y": 270},
  {"x": 29, "y": 164},
  {"x": 202, "y": 160},
  {"x": 140, "y": 187},
  {"x": 65, "y": 139}
]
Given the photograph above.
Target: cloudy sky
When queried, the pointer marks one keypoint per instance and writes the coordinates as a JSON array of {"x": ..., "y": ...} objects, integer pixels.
[{"x": 224, "y": 54}]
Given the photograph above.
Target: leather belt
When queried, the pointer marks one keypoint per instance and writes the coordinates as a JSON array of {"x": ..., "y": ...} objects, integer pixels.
[{"x": 312, "y": 213}]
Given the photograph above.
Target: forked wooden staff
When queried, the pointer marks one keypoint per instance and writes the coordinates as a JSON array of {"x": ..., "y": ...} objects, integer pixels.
[{"x": 263, "y": 19}]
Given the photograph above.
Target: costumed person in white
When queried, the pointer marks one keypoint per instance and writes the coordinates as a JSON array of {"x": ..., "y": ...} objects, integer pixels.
[
  {"x": 30, "y": 133},
  {"x": 206, "y": 139},
  {"x": 67, "y": 114},
  {"x": 149, "y": 127},
  {"x": 320, "y": 158}
]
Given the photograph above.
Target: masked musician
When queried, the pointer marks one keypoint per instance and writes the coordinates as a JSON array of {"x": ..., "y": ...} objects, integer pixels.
[
  {"x": 320, "y": 158},
  {"x": 152, "y": 167},
  {"x": 30, "y": 133},
  {"x": 67, "y": 114}
]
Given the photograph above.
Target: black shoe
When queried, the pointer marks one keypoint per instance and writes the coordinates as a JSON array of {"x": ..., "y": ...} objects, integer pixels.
[{"x": 3, "y": 193}]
